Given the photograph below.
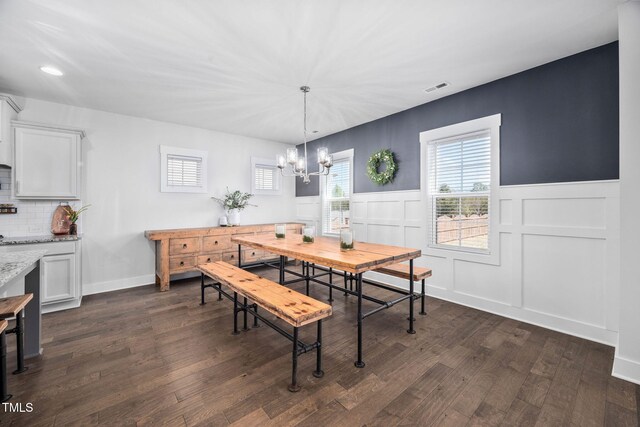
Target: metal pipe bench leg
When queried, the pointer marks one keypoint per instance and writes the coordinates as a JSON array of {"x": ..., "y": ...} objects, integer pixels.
[
  {"x": 245, "y": 314},
  {"x": 422, "y": 295},
  {"x": 411, "y": 319},
  {"x": 19, "y": 331},
  {"x": 294, "y": 387},
  {"x": 235, "y": 313},
  {"x": 331, "y": 283},
  {"x": 319, "y": 373},
  {"x": 4, "y": 395}
]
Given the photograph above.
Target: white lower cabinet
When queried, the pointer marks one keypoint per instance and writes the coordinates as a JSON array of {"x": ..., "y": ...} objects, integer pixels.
[
  {"x": 60, "y": 274},
  {"x": 59, "y": 277}
]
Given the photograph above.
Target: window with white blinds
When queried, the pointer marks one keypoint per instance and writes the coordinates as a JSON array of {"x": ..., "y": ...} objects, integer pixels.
[
  {"x": 265, "y": 178},
  {"x": 459, "y": 180},
  {"x": 183, "y": 170},
  {"x": 336, "y": 194}
]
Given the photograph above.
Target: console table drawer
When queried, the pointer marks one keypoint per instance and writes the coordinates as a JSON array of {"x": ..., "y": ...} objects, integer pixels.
[
  {"x": 230, "y": 257},
  {"x": 182, "y": 263},
  {"x": 188, "y": 245},
  {"x": 216, "y": 243},
  {"x": 204, "y": 259}
]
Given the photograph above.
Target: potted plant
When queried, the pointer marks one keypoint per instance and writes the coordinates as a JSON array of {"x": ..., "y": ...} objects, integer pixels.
[
  {"x": 233, "y": 202},
  {"x": 73, "y": 216}
]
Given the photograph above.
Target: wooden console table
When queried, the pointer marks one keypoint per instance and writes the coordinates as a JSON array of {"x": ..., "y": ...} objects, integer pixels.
[{"x": 180, "y": 250}]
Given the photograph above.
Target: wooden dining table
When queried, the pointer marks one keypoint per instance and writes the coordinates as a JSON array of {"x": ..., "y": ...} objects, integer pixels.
[{"x": 326, "y": 252}]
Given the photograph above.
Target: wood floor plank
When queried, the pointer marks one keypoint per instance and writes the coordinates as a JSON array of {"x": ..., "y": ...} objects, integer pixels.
[{"x": 521, "y": 414}]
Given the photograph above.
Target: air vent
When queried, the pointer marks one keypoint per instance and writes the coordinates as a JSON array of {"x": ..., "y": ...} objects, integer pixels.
[{"x": 437, "y": 87}]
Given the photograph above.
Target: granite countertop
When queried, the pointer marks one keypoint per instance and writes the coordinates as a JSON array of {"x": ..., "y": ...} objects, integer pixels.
[
  {"x": 24, "y": 240},
  {"x": 14, "y": 263}
]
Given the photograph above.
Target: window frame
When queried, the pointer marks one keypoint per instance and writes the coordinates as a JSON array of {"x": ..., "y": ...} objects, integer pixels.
[
  {"x": 262, "y": 161},
  {"x": 340, "y": 155},
  {"x": 489, "y": 124},
  {"x": 165, "y": 152}
]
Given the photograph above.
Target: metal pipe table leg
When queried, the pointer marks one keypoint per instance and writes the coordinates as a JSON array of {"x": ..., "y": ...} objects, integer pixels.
[
  {"x": 319, "y": 373},
  {"x": 331, "y": 283},
  {"x": 202, "y": 289},
  {"x": 4, "y": 395},
  {"x": 345, "y": 283},
  {"x": 19, "y": 330},
  {"x": 359, "y": 363},
  {"x": 411, "y": 319},
  {"x": 422, "y": 294},
  {"x": 306, "y": 277},
  {"x": 294, "y": 387},
  {"x": 281, "y": 269}
]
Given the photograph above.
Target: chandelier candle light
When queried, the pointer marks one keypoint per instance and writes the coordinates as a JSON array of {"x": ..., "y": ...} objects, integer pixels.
[{"x": 299, "y": 165}]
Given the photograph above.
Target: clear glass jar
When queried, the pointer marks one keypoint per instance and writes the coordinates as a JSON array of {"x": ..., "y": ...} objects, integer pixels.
[{"x": 346, "y": 239}]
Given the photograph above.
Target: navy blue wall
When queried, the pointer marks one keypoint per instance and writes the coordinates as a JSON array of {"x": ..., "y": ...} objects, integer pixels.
[{"x": 559, "y": 124}]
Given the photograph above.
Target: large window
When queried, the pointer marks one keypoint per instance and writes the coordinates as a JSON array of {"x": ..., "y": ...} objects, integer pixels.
[
  {"x": 336, "y": 193},
  {"x": 460, "y": 176},
  {"x": 183, "y": 170}
]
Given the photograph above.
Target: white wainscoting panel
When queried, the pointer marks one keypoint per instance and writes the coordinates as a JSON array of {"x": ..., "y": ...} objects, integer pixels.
[
  {"x": 564, "y": 277},
  {"x": 559, "y": 248},
  {"x": 576, "y": 212}
]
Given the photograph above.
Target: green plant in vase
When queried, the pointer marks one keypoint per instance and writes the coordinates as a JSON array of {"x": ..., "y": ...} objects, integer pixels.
[
  {"x": 74, "y": 216},
  {"x": 307, "y": 239},
  {"x": 234, "y": 202}
]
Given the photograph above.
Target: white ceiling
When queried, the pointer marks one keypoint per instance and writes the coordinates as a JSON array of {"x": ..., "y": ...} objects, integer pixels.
[{"x": 236, "y": 66}]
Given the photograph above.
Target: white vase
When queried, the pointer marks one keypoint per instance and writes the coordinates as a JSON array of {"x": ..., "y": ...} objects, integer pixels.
[{"x": 233, "y": 216}]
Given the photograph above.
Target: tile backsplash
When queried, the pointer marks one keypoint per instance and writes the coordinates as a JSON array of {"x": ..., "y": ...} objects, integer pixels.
[{"x": 33, "y": 217}]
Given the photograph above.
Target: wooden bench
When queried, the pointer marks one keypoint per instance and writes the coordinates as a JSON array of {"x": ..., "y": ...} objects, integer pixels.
[
  {"x": 402, "y": 271},
  {"x": 14, "y": 307},
  {"x": 288, "y": 305},
  {"x": 4, "y": 395}
]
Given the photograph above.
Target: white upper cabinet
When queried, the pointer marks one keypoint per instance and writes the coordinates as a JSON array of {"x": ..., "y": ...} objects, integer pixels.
[
  {"x": 47, "y": 161},
  {"x": 9, "y": 109}
]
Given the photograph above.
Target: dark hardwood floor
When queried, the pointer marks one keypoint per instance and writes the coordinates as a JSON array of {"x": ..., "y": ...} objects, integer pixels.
[{"x": 141, "y": 357}]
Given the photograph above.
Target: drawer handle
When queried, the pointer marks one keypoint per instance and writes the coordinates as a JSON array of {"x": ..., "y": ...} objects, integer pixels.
[
  {"x": 184, "y": 246},
  {"x": 253, "y": 254},
  {"x": 181, "y": 262},
  {"x": 231, "y": 256},
  {"x": 208, "y": 259},
  {"x": 216, "y": 242}
]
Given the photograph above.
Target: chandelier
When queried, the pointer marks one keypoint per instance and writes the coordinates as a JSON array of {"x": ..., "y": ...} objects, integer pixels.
[{"x": 298, "y": 165}]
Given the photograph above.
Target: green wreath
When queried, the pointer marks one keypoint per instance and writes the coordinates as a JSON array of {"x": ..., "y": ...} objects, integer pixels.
[{"x": 383, "y": 156}]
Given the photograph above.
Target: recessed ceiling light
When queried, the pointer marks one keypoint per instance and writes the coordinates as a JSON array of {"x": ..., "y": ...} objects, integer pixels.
[{"x": 51, "y": 70}]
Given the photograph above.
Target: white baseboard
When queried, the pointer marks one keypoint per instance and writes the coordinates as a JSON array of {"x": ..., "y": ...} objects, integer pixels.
[
  {"x": 116, "y": 285},
  {"x": 60, "y": 306},
  {"x": 626, "y": 369}
]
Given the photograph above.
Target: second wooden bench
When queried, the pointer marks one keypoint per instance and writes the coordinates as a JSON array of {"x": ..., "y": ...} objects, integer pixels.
[{"x": 286, "y": 304}]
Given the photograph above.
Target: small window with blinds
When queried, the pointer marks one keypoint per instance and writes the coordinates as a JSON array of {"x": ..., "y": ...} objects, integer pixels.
[
  {"x": 459, "y": 180},
  {"x": 265, "y": 178},
  {"x": 336, "y": 194},
  {"x": 183, "y": 170}
]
